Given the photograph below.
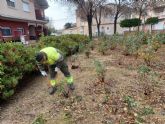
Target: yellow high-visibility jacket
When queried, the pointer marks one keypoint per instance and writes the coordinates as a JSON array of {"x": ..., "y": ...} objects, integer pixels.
[{"x": 53, "y": 55}]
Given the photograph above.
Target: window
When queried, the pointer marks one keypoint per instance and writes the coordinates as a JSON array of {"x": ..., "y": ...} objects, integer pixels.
[
  {"x": 21, "y": 30},
  {"x": 6, "y": 31},
  {"x": 107, "y": 28},
  {"x": 26, "y": 6},
  {"x": 11, "y": 3}
]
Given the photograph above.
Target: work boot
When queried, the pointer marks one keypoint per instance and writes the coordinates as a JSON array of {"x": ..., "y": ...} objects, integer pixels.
[
  {"x": 52, "y": 90},
  {"x": 71, "y": 86}
]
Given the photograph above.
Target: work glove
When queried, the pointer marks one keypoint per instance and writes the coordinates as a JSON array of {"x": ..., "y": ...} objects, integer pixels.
[
  {"x": 43, "y": 73},
  {"x": 56, "y": 69}
]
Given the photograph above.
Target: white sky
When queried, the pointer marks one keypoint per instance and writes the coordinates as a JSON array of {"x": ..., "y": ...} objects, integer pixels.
[{"x": 60, "y": 14}]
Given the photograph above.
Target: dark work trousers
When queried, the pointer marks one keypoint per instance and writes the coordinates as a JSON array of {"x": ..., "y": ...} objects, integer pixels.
[{"x": 63, "y": 68}]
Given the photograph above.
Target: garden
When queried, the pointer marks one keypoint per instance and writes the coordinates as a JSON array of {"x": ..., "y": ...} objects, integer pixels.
[{"x": 119, "y": 80}]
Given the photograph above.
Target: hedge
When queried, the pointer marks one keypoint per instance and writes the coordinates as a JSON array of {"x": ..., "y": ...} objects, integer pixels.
[
  {"x": 15, "y": 61},
  {"x": 68, "y": 44}
]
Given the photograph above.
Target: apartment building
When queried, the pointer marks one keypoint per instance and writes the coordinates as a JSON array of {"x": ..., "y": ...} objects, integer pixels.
[
  {"x": 22, "y": 18},
  {"x": 157, "y": 11},
  {"x": 106, "y": 27}
]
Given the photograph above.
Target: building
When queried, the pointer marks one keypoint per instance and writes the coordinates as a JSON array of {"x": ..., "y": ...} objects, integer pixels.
[
  {"x": 106, "y": 27},
  {"x": 107, "y": 24},
  {"x": 22, "y": 18},
  {"x": 71, "y": 30},
  {"x": 157, "y": 10}
]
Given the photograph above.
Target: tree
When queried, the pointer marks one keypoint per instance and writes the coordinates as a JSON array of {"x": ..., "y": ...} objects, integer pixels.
[
  {"x": 152, "y": 21},
  {"x": 85, "y": 8},
  {"x": 97, "y": 16},
  {"x": 130, "y": 23},
  {"x": 68, "y": 25},
  {"x": 50, "y": 27},
  {"x": 99, "y": 11},
  {"x": 51, "y": 30},
  {"x": 140, "y": 7},
  {"x": 136, "y": 22},
  {"x": 126, "y": 23},
  {"x": 119, "y": 8}
]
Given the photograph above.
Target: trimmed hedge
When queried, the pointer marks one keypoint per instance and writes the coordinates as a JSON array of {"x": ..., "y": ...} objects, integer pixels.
[
  {"x": 68, "y": 44},
  {"x": 17, "y": 59}
]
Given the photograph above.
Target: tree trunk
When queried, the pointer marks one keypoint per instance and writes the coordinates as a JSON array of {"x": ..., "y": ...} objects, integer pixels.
[
  {"x": 115, "y": 24},
  {"x": 98, "y": 29},
  {"x": 139, "y": 19},
  {"x": 129, "y": 29},
  {"x": 89, "y": 17},
  {"x": 138, "y": 28},
  {"x": 151, "y": 28}
]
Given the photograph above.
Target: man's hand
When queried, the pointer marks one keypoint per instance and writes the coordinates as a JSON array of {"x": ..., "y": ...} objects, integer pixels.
[{"x": 43, "y": 73}]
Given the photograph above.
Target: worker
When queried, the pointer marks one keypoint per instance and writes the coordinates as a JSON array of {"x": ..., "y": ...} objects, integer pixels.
[{"x": 54, "y": 59}]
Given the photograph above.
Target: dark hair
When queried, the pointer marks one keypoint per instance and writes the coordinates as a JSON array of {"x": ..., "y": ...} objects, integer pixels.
[{"x": 39, "y": 56}]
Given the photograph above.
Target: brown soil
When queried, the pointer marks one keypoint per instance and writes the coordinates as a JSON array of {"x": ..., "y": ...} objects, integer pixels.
[{"x": 92, "y": 102}]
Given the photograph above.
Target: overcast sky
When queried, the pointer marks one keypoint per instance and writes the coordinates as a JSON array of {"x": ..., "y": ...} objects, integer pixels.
[{"x": 60, "y": 14}]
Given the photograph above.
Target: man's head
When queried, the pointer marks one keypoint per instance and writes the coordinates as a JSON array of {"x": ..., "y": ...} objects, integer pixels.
[{"x": 40, "y": 57}]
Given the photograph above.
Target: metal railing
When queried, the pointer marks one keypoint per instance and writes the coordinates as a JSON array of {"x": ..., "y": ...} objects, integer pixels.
[{"x": 42, "y": 18}]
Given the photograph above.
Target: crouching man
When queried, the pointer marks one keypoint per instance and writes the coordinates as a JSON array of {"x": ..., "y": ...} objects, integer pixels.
[{"x": 54, "y": 59}]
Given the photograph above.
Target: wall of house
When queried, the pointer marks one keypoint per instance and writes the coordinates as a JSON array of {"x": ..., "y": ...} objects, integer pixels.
[
  {"x": 71, "y": 31},
  {"x": 159, "y": 26},
  {"x": 153, "y": 12},
  {"x": 83, "y": 30},
  {"x": 107, "y": 26},
  {"x": 108, "y": 29},
  {"x": 15, "y": 33},
  {"x": 17, "y": 11}
]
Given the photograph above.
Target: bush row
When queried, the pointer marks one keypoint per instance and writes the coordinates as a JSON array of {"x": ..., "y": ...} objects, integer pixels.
[
  {"x": 143, "y": 45},
  {"x": 131, "y": 43},
  {"x": 68, "y": 44},
  {"x": 15, "y": 61}
]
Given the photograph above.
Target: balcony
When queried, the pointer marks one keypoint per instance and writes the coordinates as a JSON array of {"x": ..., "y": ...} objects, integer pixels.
[
  {"x": 40, "y": 15},
  {"x": 42, "y": 18}
]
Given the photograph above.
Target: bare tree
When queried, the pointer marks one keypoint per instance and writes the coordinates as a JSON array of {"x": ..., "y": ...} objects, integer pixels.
[
  {"x": 119, "y": 8},
  {"x": 141, "y": 7},
  {"x": 97, "y": 16},
  {"x": 86, "y": 8},
  {"x": 99, "y": 12}
]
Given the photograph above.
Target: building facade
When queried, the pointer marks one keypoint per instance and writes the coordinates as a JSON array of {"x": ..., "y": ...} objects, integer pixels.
[
  {"x": 158, "y": 10},
  {"x": 22, "y": 18},
  {"x": 107, "y": 22},
  {"x": 106, "y": 27}
]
